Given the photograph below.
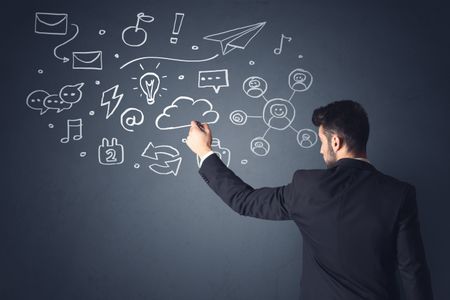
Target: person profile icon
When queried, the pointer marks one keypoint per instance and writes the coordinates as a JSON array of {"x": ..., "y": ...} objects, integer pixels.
[
  {"x": 278, "y": 110},
  {"x": 278, "y": 114},
  {"x": 300, "y": 80},
  {"x": 260, "y": 146},
  {"x": 254, "y": 87},
  {"x": 306, "y": 138}
]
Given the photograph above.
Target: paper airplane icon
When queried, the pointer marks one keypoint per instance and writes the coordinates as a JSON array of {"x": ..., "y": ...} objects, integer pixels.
[{"x": 236, "y": 38}]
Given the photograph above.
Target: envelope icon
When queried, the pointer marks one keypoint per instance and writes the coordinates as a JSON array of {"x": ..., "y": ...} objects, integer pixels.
[
  {"x": 50, "y": 23},
  {"x": 90, "y": 60}
]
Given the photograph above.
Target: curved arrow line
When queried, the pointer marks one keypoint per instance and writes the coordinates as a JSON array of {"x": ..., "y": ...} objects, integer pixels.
[
  {"x": 161, "y": 169},
  {"x": 171, "y": 59},
  {"x": 65, "y": 59},
  {"x": 156, "y": 151},
  {"x": 169, "y": 148}
]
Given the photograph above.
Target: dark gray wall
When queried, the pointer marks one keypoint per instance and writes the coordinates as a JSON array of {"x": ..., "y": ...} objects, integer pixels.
[{"x": 74, "y": 229}]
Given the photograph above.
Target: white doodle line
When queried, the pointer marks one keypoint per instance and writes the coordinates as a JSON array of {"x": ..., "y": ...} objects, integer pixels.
[
  {"x": 265, "y": 133},
  {"x": 205, "y": 77},
  {"x": 299, "y": 77},
  {"x": 58, "y": 104},
  {"x": 255, "y": 87},
  {"x": 132, "y": 120},
  {"x": 281, "y": 111},
  {"x": 171, "y": 166},
  {"x": 260, "y": 143},
  {"x": 149, "y": 83},
  {"x": 67, "y": 96},
  {"x": 110, "y": 153},
  {"x": 41, "y": 100},
  {"x": 111, "y": 100},
  {"x": 140, "y": 17},
  {"x": 152, "y": 151},
  {"x": 233, "y": 38},
  {"x": 170, "y": 59},
  {"x": 307, "y": 135},
  {"x": 292, "y": 95},
  {"x": 239, "y": 117},
  {"x": 35, "y": 100},
  {"x": 96, "y": 63},
  {"x": 38, "y": 20},
  {"x": 66, "y": 59},
  {"x": 75, "y": 124},
  {"x": 179, "y": 17},
  {"x": 277, "y": 109},
  {"x": 277, "y": 51},
  {"x": 174, "y": 105}
]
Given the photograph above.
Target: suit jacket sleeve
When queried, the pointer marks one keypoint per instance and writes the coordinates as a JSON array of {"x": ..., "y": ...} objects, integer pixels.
[
  {"x": 263, "y": 203},
  {"x": 410, "y": 252}
]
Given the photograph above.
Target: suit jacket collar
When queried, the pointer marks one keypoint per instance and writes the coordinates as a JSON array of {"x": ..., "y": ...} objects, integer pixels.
[{"x": 355, "y": 163}]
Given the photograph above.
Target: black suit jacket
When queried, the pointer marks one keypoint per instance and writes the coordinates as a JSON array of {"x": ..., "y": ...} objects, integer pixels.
[{"x": 359, "y": 227}]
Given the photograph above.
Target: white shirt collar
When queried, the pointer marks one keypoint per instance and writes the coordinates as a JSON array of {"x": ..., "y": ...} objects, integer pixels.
[{"x": 363, "y": 159}]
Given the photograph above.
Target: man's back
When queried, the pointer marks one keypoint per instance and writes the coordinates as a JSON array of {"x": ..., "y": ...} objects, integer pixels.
[{"x": 358, "y": 227}]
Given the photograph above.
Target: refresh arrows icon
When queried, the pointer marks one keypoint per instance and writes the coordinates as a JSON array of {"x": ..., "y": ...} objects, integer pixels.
[{"x": 167, "y": 157}]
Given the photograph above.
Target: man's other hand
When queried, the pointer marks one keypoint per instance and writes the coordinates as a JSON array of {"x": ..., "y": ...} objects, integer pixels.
[{"x": 199, "y": 139}]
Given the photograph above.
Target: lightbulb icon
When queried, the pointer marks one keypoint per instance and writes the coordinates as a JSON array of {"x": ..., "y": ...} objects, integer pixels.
[{"x": 149, "y": 83}]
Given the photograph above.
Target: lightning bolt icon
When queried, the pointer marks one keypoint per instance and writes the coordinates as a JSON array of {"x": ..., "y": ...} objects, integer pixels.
[{"x": 111, "y": 99}]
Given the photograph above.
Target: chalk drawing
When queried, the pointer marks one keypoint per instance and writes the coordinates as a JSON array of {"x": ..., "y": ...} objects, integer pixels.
[
  {"x": 216, "y": 79},
  {"x": 74, "y": 130},
  {"x": 87, "y": 60},
  {"x": 170, "y": 59},
  {"x": 176, "y": 27},
  {"x": 131, "y": 117},
  {"x": 111, "y": 99},
  {"x": 135, "y": 36},
  {"x": 237, "y": 38},
  {"x": 110, "y": 153},
  {"x": 167, "y": 159},
  {"x": 185, "y": 109},
  {"x": 50, "y": 23},
  {"x": 67, "y": 96},
  {"x": 277, "y": 51},
  {"x": 278, "y": 113},
  {"x": 65, "y": 59},
  {"x": 254, "y": 86}
]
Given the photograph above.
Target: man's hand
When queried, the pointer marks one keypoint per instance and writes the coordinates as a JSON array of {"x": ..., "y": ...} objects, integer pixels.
[{"x": 198, "y": 140}]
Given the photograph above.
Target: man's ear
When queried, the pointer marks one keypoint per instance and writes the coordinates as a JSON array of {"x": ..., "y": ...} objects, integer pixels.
[{"x": 336, "y": 143}]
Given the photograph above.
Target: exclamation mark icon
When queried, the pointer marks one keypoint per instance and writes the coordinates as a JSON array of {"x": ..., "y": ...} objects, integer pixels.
[{"x": 176, "y": 27}]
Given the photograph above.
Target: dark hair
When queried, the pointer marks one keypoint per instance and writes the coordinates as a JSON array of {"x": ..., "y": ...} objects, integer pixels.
[{"x": 348, "y": 120}]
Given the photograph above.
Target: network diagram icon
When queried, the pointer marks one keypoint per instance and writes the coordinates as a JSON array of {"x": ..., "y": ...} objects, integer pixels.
[{"x": 278, "y": 113}]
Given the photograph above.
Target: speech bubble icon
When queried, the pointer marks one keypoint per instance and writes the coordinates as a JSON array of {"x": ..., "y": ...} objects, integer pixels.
[
  {"x": 56, "y": 103},
  {"x": 71, "y": 93},
  {"x": 216, "y": 79},
  {"x": 35, "y": 100}
]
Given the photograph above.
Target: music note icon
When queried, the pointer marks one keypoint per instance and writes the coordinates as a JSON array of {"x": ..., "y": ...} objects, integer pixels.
[
  {"x": 277, "y": 51},
  {"x": 74, "y": 130}
]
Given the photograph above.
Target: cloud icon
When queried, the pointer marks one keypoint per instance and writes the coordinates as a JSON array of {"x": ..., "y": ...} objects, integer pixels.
[{"x": 185, "y": 109}]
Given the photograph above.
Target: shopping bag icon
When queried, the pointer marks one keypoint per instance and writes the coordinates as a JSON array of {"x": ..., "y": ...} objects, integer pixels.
[
  {"x": 50, "y": 23},
  {"x": 110, "y": 153},
  {"x": 90, "y": 60}
]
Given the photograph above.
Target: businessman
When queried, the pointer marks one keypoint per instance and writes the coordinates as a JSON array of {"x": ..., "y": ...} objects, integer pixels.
[{"x": 359, "y": 226}]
